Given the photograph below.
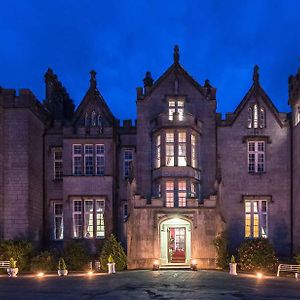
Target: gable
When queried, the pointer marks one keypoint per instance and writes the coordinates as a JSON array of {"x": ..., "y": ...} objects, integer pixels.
[
  {"x": 93, "y": 108},
  {"x": 255, "y": 94}
]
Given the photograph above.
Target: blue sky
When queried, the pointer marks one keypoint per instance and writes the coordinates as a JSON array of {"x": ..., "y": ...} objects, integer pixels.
[{"x": 121, "y": 40}]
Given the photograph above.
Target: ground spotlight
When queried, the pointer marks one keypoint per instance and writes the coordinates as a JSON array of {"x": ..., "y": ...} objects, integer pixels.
[
  {"x": 259, "y": 275},
  {"x": 155, "y": 265},
  {"x": 40, "y": 274},
  {"x": 194, "y": 265}
]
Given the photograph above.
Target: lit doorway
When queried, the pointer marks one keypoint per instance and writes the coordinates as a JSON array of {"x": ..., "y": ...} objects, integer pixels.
[{"x": 175, "y": 241}]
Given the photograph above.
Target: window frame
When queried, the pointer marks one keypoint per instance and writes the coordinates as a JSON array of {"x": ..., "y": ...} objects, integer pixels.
[
  {"x": 256, "y": 157},
  {"x": 56, "y": 161},
  {"x": 178, "y": 107},
  {"x": 99, "y": 160},
  {"x": 82, "y": 218},
  {"x": 170, "y": 149},
  {"x": 76, "y": 155},
  {"x": 249, "y": 230},
  {"x": 90, "y": 155},
  {"x": 55, "y": 216},
  {"x": 127, "y": 161},
  {"x": 181, "y": 148}
]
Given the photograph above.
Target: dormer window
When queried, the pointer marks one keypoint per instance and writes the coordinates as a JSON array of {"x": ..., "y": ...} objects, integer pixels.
[
  {"x": 176, "y": 106},
  {"x": 256, "y": 117}
]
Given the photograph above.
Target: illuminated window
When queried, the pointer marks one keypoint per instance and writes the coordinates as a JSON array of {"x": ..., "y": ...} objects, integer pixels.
[
  {"x": 194, "y": 188},
  {"x": 256, "y": 117},
  {"x": 88, "y": 219},
  {"x": 256, "y": 156},
  {"x": 77, "y": 218},
  {"x": 58, "y": 221},
  {"x": 157, "y": 151},
  {"x": 90, "y": 222},
  {"x": 88, "y": 160},
  {"x": 181, "y": 193},
  {"x": 128, "y": 157},
  {"x": 250, "y": 116},
  {"x": 193, "y": 151},
  {"x": 77, "y": 159},
  {"x": 297, "y": 115},
  {"x": 169, "y": 194},
  {"x": 256, "y": 218},
  {"x": 100, "y": 159},
  {"x": 58, "y": 164},
  {"x": 176, "y": 106},
  {"x": 182, "y": 148},
  {"x": 262, "y": 118},
  {"x": 100, "y": 228},
  {"x": 170, "y": 148}
]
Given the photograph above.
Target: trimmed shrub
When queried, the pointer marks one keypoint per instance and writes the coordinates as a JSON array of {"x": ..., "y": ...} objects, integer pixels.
[
  {"x": 20, "y": 250},
  {"x": 44, "y": 262},
  {"x": 221, "y": 245},
  {"x": 112, "y": 248},
  {"x": 61, "y": 264},
  {"x": 257, "y": 255},
  {"x": 76, "y": 256}
]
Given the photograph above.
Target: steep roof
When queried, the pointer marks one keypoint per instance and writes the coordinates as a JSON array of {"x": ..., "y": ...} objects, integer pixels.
[{"x": 93, "y": 95}]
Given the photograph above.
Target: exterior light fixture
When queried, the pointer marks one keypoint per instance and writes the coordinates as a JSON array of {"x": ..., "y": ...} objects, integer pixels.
[
  {"x": 155, "y": 265},
  {"x": 194, "y": 265},
  {"x": 259, "y": 275},
  {"x": 90, "y": 273},
  {"x": 40, "y": 274}
]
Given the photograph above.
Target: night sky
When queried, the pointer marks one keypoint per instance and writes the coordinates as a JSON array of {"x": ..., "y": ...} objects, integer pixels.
[{"x": 121, "y": 40}]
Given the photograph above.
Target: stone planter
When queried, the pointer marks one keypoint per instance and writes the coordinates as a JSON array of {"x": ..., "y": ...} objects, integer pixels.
[
  {"x": 12, "y": 272},
  {"x": 232, "y": 269},
  {"x": 62, "y": 272},
  {"x": 111, "y": 268}
]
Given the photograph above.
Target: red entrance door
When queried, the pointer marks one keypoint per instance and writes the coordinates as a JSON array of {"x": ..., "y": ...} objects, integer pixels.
[{"x": 176, "y": 244}]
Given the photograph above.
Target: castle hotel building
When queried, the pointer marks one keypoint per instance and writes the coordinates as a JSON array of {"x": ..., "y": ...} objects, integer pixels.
[{"x": 166, "y": 184}]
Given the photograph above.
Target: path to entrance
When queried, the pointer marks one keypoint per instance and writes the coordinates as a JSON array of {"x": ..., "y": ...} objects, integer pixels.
[{"x": 182, "y": 285}]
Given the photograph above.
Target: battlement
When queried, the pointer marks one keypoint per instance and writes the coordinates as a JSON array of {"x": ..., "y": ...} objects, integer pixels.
[{"x": 294, "y": 88}]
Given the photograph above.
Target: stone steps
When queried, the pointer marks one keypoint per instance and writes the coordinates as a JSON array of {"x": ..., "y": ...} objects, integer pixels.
[{"x": 175, "y": 267}]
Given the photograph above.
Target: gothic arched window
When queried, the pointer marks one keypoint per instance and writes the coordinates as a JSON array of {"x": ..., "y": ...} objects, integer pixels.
[
  {"x": 262, "y": 118},
  {"x": 255, "y": 116},
  {"x": 99, "y": 121},
  {"x": 93, "y": 118},
  {"x": 250, "y": 117},
  {"x": 87, "y": 120}
]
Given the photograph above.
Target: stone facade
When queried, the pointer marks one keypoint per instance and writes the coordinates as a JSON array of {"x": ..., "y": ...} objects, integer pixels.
[{"x": 166, "y": 184}]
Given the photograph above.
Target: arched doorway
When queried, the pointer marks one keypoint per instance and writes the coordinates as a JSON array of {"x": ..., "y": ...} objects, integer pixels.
[{"x": 175, "y": 241}]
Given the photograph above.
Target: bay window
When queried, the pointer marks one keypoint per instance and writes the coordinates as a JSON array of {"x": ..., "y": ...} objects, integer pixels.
[
  {"x": 182, "y": 161},
  {"x": 170, "y": 149},
  {"x": 181, "y": 193},
  {"x": 157, "y": 151},
  {"x": 193, "y": 151},
  {"x": 169, "y": 194}
]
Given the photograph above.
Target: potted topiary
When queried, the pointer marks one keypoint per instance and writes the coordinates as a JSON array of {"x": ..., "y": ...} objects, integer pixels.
[
  {"x": 12, "y": 271},
  {"x": 111, "y": 265},
  {"x": 232, "y": 266},
  {"x": 62, "y": 267}
]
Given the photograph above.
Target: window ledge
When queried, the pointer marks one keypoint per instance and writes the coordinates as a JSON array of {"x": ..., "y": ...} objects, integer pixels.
[{"x": 257, "y": 173}]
